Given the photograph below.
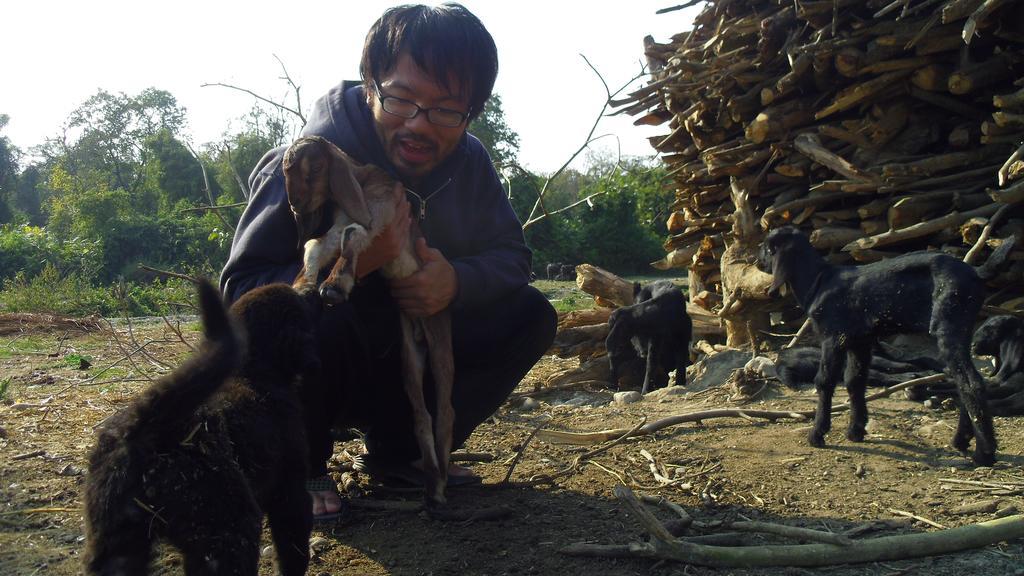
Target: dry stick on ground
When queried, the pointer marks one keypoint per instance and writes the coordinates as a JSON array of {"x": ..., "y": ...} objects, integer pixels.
[
  {"x": 771, "y": 415},
  {"x": 445, "y": 514},
  {"x": 522, "y": 449},
  {"x": 663, "y": 546},
  {"x": 582, "y": 458}
]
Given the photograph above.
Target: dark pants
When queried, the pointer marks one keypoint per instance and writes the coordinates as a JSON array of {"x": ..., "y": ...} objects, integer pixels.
[{"x": 361, "y": 385}]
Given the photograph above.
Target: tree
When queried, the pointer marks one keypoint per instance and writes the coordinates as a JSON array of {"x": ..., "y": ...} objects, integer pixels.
[
  {"x": 501, "y": 142},
  {"x": 171, "y": 170},
  {"x": 8, "y": 173},
  {"x": 112, "y": 130}
]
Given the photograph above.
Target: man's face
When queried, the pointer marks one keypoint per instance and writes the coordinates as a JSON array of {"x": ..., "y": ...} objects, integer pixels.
[{"x": 415, "y": 145}]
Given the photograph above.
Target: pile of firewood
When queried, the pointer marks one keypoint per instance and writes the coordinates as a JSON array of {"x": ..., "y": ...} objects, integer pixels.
[{"x": 880, "y": 126}]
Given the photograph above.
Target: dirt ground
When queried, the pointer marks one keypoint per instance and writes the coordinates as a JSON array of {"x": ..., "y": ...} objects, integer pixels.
[{"x": 719, "y": 470}]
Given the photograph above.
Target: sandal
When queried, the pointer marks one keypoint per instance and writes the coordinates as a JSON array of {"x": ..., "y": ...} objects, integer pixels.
[{"x": 325, "y": 486}]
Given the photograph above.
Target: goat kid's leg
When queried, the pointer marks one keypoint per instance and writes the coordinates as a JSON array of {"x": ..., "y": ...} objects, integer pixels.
[
  {"x": 858, "y": 361},
  {"x": 438, "y": 332},
  {"x": 336, "y": 288},
  {"x": 825, "y": 384},
  {"x": 291, "y": 521},
  {"x": 413, "y": 363},
  {"x": 975, "y": 419},
  {"x": 316, "y": 253},
  {"x": 682, "y": 361},
  {"x": 649, "y": 370}
]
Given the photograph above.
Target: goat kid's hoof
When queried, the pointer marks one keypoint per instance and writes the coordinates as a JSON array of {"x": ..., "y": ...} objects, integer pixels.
[
  {"x": 855, "y": 435},
  {"x": 960, "y": 443},
  {"x": 332, "y": 295},
  {"x": 983, "y": 459},
  {"x": 815, "y": 439}
]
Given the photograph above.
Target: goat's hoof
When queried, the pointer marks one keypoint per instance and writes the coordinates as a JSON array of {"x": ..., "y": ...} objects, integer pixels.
[
  {"x": 815, "y": 439},
  {"x": 983, "y": 459},
  {"x": 332, "y": 295},
  {"x": 855, "y": 435},
  {"x": 960, "y": 443}
]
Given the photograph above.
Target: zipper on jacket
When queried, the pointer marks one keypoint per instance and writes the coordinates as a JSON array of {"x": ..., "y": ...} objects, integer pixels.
[{"x": 423, "y": 201}]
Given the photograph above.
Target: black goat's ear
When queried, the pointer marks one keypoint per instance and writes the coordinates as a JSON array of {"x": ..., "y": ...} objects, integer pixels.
[{"x": 780, "y": 269}]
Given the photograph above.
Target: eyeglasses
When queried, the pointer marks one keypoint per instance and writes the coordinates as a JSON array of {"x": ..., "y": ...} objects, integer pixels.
[{"x": 408, "y": 109}]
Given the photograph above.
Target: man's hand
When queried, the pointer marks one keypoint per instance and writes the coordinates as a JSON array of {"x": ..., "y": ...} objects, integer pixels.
[
  {"x": 429, "y": 290},
  {"x": 386, "y": 245}
]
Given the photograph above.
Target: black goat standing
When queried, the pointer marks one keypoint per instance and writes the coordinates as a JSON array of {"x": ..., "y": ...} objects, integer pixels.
[
  {"x": 203, "y": 453},
  {"x": 852, "y": 306},
  {"x": 655, "y": 328},
  {"x": 1002, "y": 337}
]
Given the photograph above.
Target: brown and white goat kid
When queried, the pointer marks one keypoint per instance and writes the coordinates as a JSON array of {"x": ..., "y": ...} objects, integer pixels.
[{"x": 322, "y": 181}]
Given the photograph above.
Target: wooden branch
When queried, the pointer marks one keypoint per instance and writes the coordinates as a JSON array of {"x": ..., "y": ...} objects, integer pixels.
[
  {"x": 885, "y": 548},
  {"x": 563, "y": 437},
  {"x": 599, "y": 282},
  {"x": 919, "y": 230},
  {"x": 858, "y": 93},
  {"x": 1011, "y": 100},
  {"x": 1009, "y": 195},
  {"x": 794, "y": 532},
  {"x": 1004, "y": 170},
  {"x": 277, "y": 105},
  {"x": 993, "y": 222},
  {"x": 809, "y": 145}
]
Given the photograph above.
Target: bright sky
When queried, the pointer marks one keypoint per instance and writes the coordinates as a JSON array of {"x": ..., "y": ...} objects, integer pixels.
[{"x": 62, "y": 52}]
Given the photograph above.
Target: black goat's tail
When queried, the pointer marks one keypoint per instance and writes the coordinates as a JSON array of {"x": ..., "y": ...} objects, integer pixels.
[
  {"x": 176, "y": 397},
  {"x": 1000, "y": 255}
]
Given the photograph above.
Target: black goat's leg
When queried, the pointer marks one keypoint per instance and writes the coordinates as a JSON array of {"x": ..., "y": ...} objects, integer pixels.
[
  {"x": 975, "y": 419},
  {"x": 858, "y": 361},
  {"x": 291, "y": 519},
  {"x": 649, "y": 372},
  {"x": 829, "y": 372},
  {"x": 682, "y": 361}
]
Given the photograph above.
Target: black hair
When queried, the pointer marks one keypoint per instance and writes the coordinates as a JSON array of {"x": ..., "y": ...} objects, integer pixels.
[{"x": 446, "y": 41}]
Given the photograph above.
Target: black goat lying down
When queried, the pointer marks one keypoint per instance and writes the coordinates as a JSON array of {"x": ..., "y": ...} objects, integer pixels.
[
  {"x": 852, "y": 306},
  {"x": 655, "y": 328},
  {"x": 198, "y": 457},
  {"x": 1002, "y": 337},
  {"x": 797, "y": 367}
]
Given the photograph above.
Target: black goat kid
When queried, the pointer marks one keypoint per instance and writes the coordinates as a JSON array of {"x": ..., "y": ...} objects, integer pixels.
[
  {"x": 203, "y": 453},
  {"x": 655, "y": 328},
  {"x": 1002, "y": 337},
  {"x": 852, "y": 306}
]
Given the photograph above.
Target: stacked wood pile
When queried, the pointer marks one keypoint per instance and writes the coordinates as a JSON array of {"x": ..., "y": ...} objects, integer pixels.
[{"x": 880, "y": 126}]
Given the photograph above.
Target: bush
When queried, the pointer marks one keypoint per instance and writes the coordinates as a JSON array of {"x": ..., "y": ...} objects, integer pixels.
[
  {"x": 30, "y": 249},
  {"x": 73, "y": 295}
]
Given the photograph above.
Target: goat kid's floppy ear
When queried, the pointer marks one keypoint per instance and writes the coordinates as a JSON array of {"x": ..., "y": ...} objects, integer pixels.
[
  {"x": 780, "y": 272},
  {"x": 346, "y": 189}
]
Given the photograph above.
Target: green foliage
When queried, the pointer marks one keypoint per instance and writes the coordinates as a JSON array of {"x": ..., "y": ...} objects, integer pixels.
[
  {"x": 171, "y": 170},
  {"x": 29, "y": 249},
  {"x": 72, "y": 295},
  {"x": 619, "y": 228},
  {"x": 77, "y": 361},
  {"x": 501, "y": 142},
  {"x": 8, "y": 174}
]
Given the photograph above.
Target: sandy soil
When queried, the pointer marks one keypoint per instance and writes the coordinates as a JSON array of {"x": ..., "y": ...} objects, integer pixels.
[{"x": 720, "y": 470}]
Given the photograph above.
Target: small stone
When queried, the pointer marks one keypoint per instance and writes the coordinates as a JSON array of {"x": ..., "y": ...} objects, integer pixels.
[
  {"x": 626, "y": 397},
  {"x": 528, "y": 405}
]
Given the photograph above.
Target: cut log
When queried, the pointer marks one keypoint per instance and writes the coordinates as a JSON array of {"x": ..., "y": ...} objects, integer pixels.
[{"x": 599, "y": 282}]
